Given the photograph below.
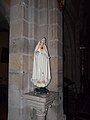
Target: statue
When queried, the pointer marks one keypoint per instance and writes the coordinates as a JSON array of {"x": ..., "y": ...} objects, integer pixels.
[{"x": 41, "y": 68}]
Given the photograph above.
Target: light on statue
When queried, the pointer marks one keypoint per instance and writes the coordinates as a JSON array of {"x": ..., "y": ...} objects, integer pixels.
[{"x": 41, "y": 68}]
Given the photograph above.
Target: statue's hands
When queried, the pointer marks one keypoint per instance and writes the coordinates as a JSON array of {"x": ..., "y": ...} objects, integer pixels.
[{"x": 36, "y": 52}]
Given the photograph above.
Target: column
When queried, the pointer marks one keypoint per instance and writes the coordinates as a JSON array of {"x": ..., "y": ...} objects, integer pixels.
[
  {"x": 29, "y": 22},
  {"x": 18, "y": 58},
  {"x": 40, "y": 103}
]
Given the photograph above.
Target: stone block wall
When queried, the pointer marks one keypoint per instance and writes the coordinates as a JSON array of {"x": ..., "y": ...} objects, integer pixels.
[{"x": 30, "y": 21}]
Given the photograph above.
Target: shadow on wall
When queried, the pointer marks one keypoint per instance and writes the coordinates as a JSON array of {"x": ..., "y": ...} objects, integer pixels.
[{"x": 4, "y": 56}]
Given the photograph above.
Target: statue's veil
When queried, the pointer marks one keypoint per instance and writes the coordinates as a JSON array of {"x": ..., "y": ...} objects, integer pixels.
[{"x": 37, "y": 46}]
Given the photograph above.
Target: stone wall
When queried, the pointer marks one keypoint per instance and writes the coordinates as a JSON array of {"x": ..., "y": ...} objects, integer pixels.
[{"x": 29, "y": 22}]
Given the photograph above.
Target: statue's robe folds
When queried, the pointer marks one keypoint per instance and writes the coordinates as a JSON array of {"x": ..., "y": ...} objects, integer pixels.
[{"x": 41, "y": 68}]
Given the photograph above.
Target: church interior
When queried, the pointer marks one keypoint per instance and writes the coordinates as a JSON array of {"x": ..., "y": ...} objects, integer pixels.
[{"x": 75, "y": 51}]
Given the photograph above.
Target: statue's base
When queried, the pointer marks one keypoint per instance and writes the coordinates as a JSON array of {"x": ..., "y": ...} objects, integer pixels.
[{"x": 41, "y": 90}]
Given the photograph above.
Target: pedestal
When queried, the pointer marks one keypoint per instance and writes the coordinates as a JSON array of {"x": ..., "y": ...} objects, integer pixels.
[{"x": 40, "y": 103}]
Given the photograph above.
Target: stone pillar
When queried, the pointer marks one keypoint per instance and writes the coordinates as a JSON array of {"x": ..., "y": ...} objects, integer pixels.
[
  {"x": 40, "y": 103},
  {"x": 18, "y": 57},
  {"x": 29, "y": 22},
  {"x": 55, "y": 45},
  {"x": 32, "y": 35}
]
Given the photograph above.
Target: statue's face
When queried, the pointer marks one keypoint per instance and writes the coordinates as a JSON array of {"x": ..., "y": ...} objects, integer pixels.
[{"x": 42, "y": 43}]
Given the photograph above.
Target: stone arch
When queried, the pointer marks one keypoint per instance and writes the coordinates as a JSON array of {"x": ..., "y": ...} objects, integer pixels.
[
  {"x": 4, "y": 56},
  {"x": 5, "y": 10},
  {"x": 4, "y": 37}
]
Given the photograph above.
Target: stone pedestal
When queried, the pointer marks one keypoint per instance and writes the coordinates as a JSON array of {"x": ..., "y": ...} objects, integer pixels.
[{"x": 40, "y": 103}]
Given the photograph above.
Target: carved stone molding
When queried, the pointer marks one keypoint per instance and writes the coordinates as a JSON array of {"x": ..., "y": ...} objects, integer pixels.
[
  {"x": 40, "y": 103},
  {"x": 40, "y": 112}
]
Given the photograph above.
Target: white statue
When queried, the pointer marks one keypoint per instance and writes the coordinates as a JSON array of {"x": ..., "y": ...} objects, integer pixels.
[{"x": 41, "y": 68}]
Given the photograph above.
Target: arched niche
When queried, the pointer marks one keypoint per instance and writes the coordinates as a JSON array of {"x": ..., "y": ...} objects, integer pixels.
[{"x": 4, "y": 59}]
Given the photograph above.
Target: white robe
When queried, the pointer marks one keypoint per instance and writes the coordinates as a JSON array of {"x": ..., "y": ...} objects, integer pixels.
[{"x": 41, "y": 68}]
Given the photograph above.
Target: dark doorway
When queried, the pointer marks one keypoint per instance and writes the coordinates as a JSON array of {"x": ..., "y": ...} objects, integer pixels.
[
  {"x": 77, "y": 60},
  {"x": 4, "y": 63}
]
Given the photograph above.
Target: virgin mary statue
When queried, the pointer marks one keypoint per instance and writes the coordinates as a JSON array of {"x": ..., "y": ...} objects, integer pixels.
[{"x": 41, "y": 68}]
